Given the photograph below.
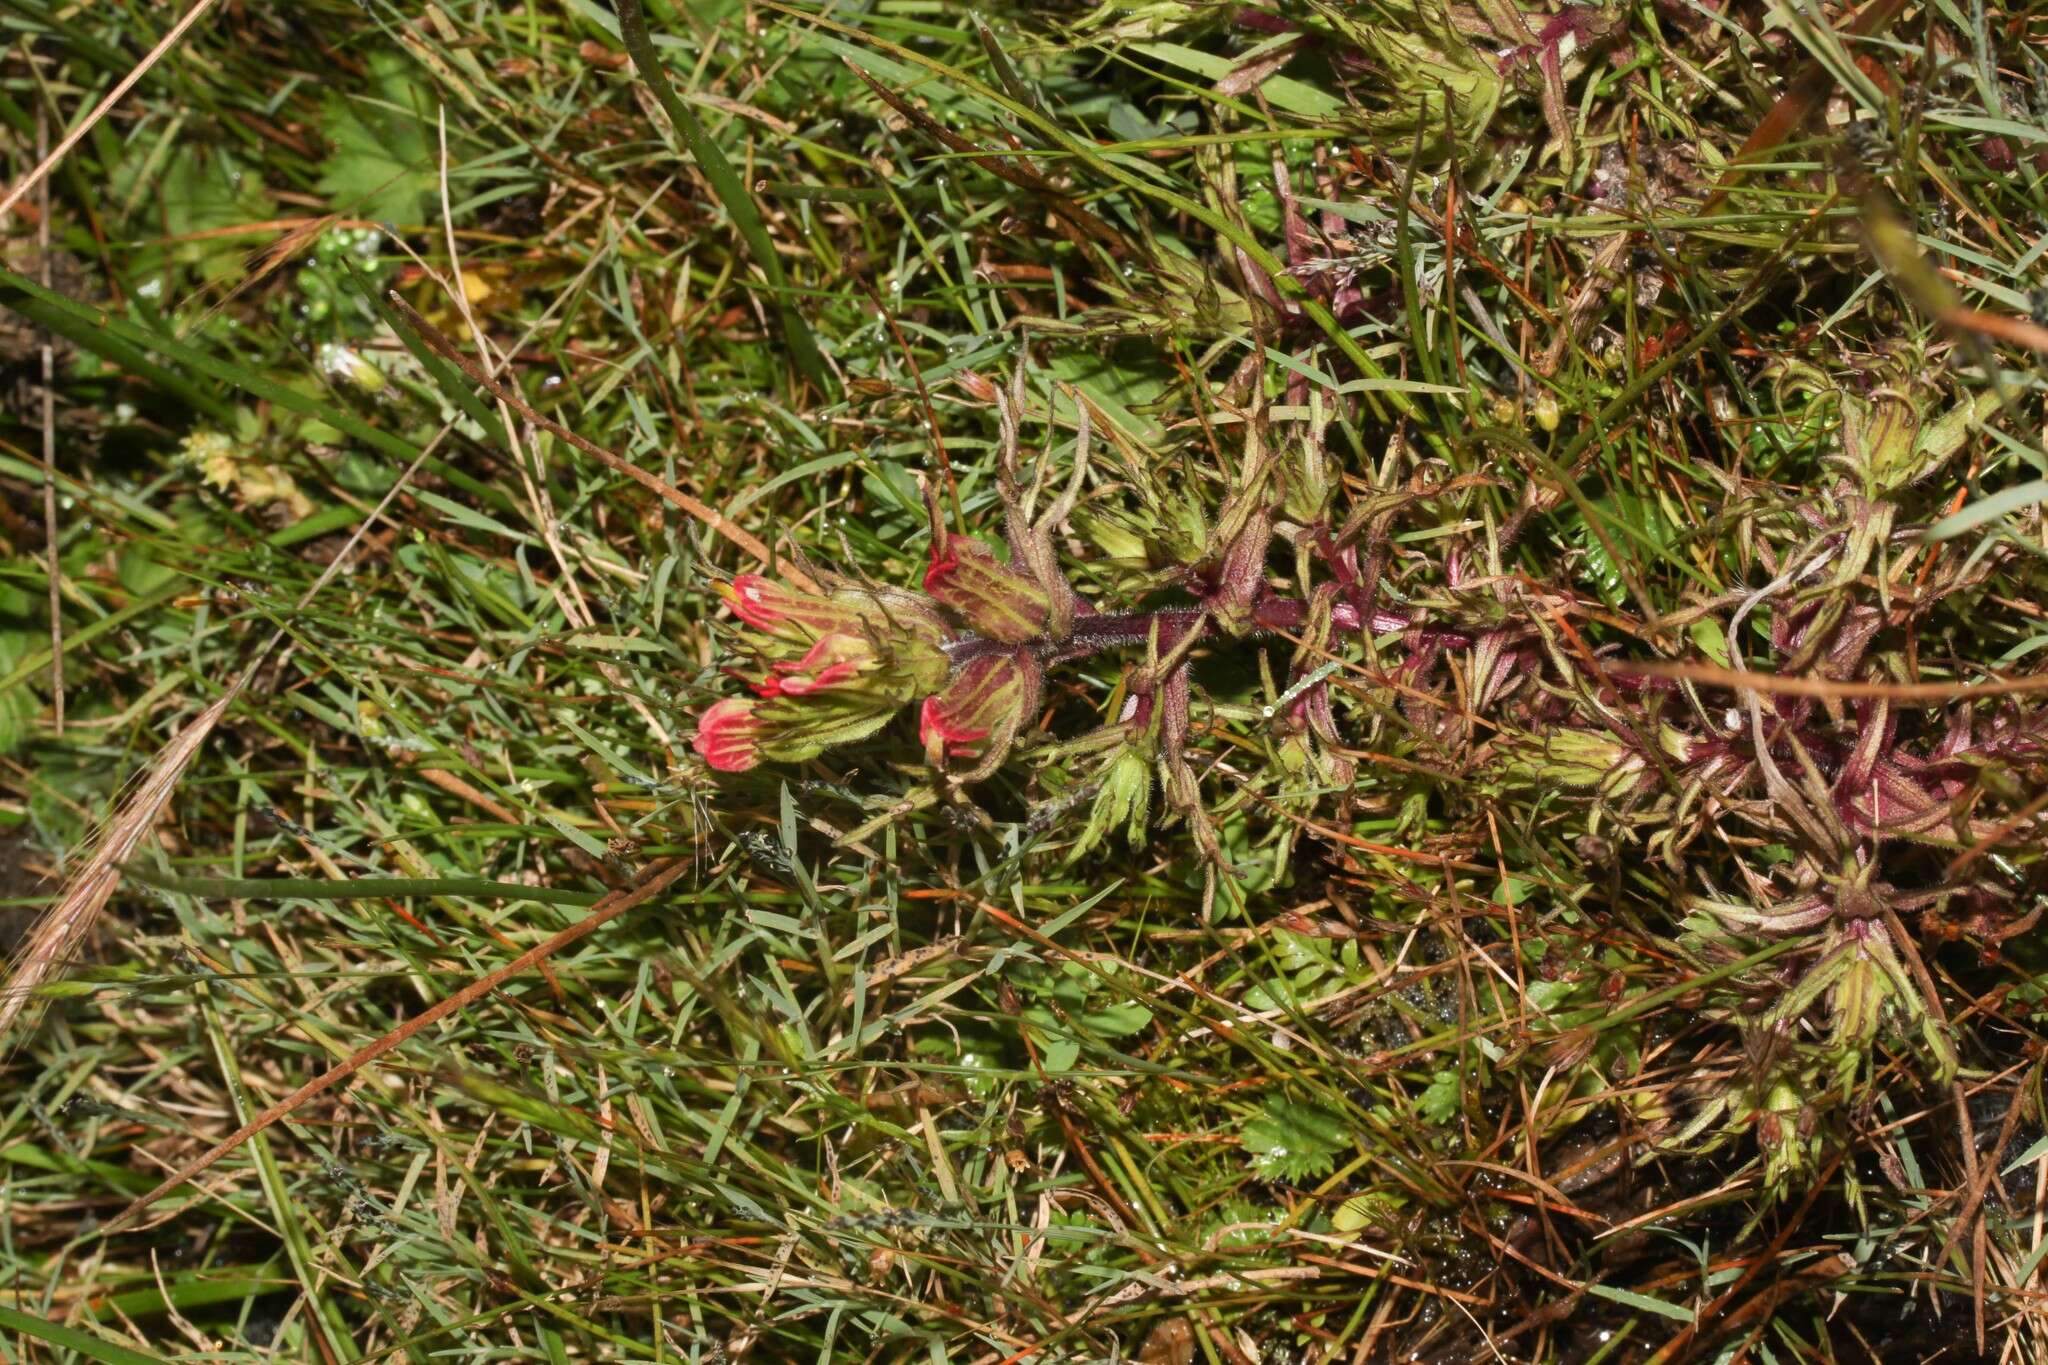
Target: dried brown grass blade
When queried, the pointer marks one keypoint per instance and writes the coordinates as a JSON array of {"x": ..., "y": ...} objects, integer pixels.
[
  {"x": 299, "y": 235},
  {"x": 52, "y": 542},
  {"x": 2017, "y": 331},
  {"x": 658, "y": 877},
  {"x": 1828, "y": 687}
]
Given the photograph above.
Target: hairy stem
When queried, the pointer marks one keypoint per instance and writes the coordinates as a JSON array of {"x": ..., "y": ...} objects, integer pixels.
[{"x": 1099, "y": 632}]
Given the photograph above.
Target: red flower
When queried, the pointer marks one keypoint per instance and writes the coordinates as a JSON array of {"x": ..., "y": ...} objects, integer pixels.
[
  {"x": 793, "y": 616},
  {"x": 729, "y": 735},
  {"x": 832, "y": 662},
  {"x": 987, "y": 701},
  {"x": 942, "y": 728},
  {"x": 987, "y": 595}
]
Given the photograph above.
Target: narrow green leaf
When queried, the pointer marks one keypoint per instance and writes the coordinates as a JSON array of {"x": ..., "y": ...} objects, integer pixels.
[
  {"x": 2028, "y": 1157},
  {"x": 1283, "y": 93},
  {"x": 360, "y": 888},
  {"x": 97, "y": 340},
  {"x": 2002, "y": 503},
  {"x": 71, "y": 1339},
  {"x": 1642, "y": 1301}
]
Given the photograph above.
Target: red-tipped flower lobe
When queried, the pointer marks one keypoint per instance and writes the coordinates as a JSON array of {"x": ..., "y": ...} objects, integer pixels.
[
  {"x": 729, "y": 735},
  {"x": 988, "y": 596}
]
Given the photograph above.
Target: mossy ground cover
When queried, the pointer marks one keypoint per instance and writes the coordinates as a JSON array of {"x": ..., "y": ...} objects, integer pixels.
[{"x": 1247, "y": 683}]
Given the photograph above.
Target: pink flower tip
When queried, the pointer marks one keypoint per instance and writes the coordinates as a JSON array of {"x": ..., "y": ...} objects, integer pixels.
[
  {"x": 754, "y": 600},
  {"x": 728, "y": 735},
  {"x": 943, "y": 564},
  {"x": 937, "y": 729},
  {"x": 833, "y": 660}
]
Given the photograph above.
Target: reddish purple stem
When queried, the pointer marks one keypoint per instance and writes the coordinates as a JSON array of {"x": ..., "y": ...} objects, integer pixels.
[{"x": 1096, "y": 632}]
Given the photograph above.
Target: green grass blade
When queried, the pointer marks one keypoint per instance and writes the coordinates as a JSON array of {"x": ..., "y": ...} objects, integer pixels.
[{"x": 71, "y": 1339}]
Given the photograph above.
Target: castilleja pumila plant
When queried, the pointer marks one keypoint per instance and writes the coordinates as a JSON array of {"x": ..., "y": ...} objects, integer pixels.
[
  {"x": 971, "y": 651},
  {"x": 1484, "y": 677}
]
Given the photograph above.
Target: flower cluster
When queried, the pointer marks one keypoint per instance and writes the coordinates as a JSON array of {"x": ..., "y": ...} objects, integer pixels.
[
  {"x": 834, "y": 667},
  {"x": 971, "y": 649}
]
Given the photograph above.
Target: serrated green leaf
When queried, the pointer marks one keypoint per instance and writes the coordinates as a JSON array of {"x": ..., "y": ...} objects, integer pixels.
[
  {"x": 1440, "y": 1101},
  {"x": 1293, "y": 1140}
]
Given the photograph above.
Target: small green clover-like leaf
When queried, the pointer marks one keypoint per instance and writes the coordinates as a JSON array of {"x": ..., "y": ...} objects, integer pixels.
[
  {"x": 1292, "y": 1140},
  {"x": 1059, "y": 1047},
  {"x": 1059, "y": 1041},
  {"x": 1077, "y": 1013},
  {"x": 381, "y": 164},
  {"x": 1362, "y": 1211},
  {"x": 1058, "y": 1054},
  {"x": 1116, "y": 1021}
]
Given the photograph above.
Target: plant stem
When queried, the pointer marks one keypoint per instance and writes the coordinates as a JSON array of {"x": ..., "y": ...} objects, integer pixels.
[{"x": 1096, "y": 633}]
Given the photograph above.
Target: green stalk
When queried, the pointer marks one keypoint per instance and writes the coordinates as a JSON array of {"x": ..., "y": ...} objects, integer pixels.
[{"x": 323, "y": 1316}]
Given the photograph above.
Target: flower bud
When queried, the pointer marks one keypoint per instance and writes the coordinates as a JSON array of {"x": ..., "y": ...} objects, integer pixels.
[
  {"x": 838, "y": 668},
  {"x": 986, "y": 595},
  {"x": 1177, "y": 525},
  {"x": 1114, "y": 537},
  {"x": 1303, "y": 759},
  {"x": 1308, "y": 483},
  {"x": 982, "y": 708},
  {"x": 795, "y": 617},
  {"x": 1777, "y": 1132},
  {"x": 1241, "y": 579},
  {"x": 797, "y": 728},
  {"x": 835, "y": 661},
  {"x": 347, "y": 365},
  {"x": 1869, "y": 982},
  {"x": 1123, "y": 798},
  {"x": 1308, "y": 740},
  {"x": 1878, "y": 437},
  {"x": 1574, "y": 758},
  {"x": 728, "y": 735}
]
